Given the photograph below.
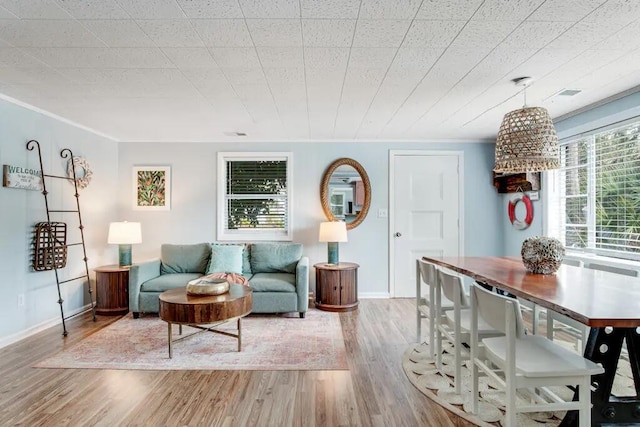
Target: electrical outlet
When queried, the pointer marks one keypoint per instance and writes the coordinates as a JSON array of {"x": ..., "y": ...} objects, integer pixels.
[
  {"x": 382, "y": 213},
  {"x": 20, "y": 300}
]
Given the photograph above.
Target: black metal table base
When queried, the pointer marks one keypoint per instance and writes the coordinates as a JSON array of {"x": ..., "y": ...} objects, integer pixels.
[{"x": 604, "y": 347}]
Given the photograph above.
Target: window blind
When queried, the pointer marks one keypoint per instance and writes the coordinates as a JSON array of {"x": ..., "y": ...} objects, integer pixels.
[{"x": 256, "y": 195}]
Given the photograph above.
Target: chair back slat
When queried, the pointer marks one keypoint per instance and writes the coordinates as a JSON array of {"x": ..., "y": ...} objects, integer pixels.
[
  {"x": 428, "y": 272},
  {"x": 613, "y": 269},
  {"x": 493, "y": 309},
  {"x": 452, "y": 288}
]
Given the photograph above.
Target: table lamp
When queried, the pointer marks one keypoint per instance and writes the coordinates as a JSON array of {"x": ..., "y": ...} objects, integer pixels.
[
  {"x": 332, "y": 233},
  {"x": 124, "y": 234}
]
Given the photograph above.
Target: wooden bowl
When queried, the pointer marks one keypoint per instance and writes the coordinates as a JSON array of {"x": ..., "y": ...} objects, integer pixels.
[{"x": 207, "y": 287}]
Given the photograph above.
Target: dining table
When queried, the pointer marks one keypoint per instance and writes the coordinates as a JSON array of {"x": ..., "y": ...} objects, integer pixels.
[{"x": 608, "y": 303}]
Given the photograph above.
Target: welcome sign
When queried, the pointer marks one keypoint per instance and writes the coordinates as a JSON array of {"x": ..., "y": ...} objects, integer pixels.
[{"x": 19, "y": 177}]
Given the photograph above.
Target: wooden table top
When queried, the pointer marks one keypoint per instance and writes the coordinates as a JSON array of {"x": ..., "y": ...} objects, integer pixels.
[
  {"x": 178, "y": 307},
  {"x": 595, "y": 298}
]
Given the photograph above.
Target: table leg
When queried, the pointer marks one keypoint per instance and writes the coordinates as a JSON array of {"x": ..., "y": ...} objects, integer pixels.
[
  {"x": 604, "y": 346},
  {"x": 239, "y": 334},
  {"x": 170, "y": 344},
  {"x": 180, "y": 329}
]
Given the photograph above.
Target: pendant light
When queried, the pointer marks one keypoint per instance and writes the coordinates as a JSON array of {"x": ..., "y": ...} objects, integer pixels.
[{"x": 527, "y": 140}]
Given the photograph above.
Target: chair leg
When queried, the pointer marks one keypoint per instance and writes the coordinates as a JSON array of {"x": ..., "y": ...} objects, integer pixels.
[
  {"x": 584, "y": 397},
  {"x": 438, "y": 346},
  {"x": 475, "y": 374},
  {"x": 302, "y": 314},
  {"x": 510, "y": 416},
  {"x": 536, "y": 315},
  {"x": 432, "y": 321}
]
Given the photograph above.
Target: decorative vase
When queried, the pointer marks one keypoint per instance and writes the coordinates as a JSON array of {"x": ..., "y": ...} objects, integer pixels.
[{"x": 542, "y": 255}]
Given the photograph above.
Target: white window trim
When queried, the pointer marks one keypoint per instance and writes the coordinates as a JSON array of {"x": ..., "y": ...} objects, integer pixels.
[{"x": 252, "y": 235}]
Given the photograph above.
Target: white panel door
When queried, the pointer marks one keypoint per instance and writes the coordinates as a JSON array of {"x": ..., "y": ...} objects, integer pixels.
[{"x": 426, "y": 214}]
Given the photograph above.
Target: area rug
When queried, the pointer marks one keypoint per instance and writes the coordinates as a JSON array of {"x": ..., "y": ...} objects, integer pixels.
[
  {"x": 269, "y": 342},
  {"x": 438, "y": 385}
]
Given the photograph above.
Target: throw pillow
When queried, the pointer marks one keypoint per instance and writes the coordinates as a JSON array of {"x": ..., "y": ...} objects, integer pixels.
[
  {"x": 184, "y": 258},
  {"x": 275, "y": 257},
  {"x": 225, "y": 259},
  {"x": 246, "y": 265}
]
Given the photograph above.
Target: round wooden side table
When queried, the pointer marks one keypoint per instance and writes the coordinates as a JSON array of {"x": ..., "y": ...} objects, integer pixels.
[
  {"x": 337, "y": 286},
  {"x": 112, "y": 290}
]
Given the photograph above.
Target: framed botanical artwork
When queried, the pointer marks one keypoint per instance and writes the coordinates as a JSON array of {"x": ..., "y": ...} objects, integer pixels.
[{"x": 152, "y": 188}]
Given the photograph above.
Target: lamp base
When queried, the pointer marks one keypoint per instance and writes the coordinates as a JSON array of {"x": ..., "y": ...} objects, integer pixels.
[
  {"x": 124, "y": 255},
  {"x": 333, "y": 253}
]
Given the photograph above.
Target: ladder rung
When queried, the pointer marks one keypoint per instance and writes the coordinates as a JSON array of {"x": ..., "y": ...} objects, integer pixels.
[
  {"x": 52, "y": 210},
  {"x": 79, "y": 313},
  {"x": 58, "y": 176},
  {"x": 75, "y": 278},
  {"x": 74, "y": 244}
]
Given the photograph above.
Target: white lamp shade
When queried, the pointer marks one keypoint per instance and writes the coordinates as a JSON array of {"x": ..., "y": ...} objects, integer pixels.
[
  {"x": 124, "y": 233},
  {"x": 335, "y": 231}
]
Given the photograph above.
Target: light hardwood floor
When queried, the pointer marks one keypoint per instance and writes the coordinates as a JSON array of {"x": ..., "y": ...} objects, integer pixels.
[{"x": 373, "y": 392}]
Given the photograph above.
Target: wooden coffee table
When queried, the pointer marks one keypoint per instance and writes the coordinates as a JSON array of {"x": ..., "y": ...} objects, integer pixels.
[{"x": 176, "y": 307}]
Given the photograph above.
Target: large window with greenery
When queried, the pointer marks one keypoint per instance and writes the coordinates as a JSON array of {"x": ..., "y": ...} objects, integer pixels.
[
  {"x": 254, "y": 196},
  {"x": 595, "y": 196}
]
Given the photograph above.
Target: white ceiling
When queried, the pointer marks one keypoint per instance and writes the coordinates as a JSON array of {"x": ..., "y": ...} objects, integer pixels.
[{"x": 200, "y": 70}]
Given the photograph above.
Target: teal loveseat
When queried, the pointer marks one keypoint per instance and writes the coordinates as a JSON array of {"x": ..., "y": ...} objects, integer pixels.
[{"x": 277, "y": 272}]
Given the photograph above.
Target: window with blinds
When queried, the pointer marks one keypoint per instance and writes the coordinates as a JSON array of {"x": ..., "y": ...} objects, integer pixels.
[
  {"x": 254, "y": 190},
  {"x": 595, "y": 205}
]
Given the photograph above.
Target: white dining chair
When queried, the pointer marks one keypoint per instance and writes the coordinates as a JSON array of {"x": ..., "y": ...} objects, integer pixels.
[
  {"x": 427, "y": 273},
  {"x": 455, "y": 325},
  {"x": 525, "y": 364}
]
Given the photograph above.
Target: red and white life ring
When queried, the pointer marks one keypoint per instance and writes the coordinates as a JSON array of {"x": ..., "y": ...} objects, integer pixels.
[{"x": 518, "y": 224}]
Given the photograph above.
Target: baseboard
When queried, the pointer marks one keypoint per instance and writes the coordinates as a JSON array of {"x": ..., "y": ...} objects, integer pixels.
[
  {"x": 13, "y": 338},
  {"x": 373, "y": 295}
]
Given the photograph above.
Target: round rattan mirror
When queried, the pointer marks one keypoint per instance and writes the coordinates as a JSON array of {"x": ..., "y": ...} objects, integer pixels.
[{"x": 345, "y": 192}]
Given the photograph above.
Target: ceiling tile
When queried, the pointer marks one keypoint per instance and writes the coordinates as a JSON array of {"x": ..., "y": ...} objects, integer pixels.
[
  {"x": 270, "y": 9},
  {"x": 223, "y": 32},
  {"x": 42, "y": 76},
  {"x": 35, "y": 9},
  {"x": 275, "y": 32},
  {"x": 5, "y": 14},
  {"x": 285, "y": 76},
  {"x": 275, "y": 57},
  {"x": 330, "y": 59},
  {"x": 376, "y": 33},
  {"x": 103, "y": 9},
  {"x": 13, "y": 57},
  {"x": 506, "y": 10},
  {"x": 543, "y": 62},
  {"x": 371, "y": 57},
  {"x": 615, "y": 12},
  {"x": 118, "y": 32},
  {"x": 46, "y": 33},
  {"x": 389, "y": 9},
  {"x": 432, "y": 33},
  {"x": 414, "y": 58},
  {"x": 190, "y": 57},
  {"x": 625, "y": 38},
  {"x": 364, "y": 77},
  {"x": 582, "y": 35},
  {"x": 328, "y": 32},
  {"x": 207, "y": 9},
  {"x": 319, "y": 80},
  {"x": 535, "y": 34},
  {"x": 208, "y": 79},
  {"x": 245, "y": 76},
  {"x": 171, "y": 33},
  {"x": 142, "y": 57},
  {"x": 447, "y": 9},
  {"x": 81, "y": 57},
  {"x": 152, "y": 9},
  {"x": 565, "y": 10},
  {"x": 330, "y": 9},
  {"x": 484, "y": 33},
  {"x": 235, "y": 57}
]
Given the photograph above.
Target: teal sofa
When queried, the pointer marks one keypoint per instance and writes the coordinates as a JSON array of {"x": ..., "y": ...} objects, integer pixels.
[{"x": 277, "y": 272}]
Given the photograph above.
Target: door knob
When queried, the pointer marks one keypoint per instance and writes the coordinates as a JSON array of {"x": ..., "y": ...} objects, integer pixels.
[{"x": 398, "y": 234}]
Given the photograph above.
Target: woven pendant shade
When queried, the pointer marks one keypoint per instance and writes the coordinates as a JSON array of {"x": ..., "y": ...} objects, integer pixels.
[{"x": 527, "y": 142}]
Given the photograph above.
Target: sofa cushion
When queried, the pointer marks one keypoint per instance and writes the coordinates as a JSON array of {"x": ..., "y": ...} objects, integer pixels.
[
  {"x": 273, "y": 282},
  {"x": 225, "y": 259},
  {"x": 246, "y": 264},
  {"x": 184, "y": 258},
  {"x": 168, "y": 281},
  {"x": 275, "y": 257}
]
